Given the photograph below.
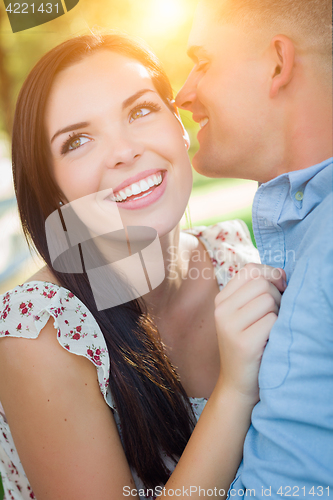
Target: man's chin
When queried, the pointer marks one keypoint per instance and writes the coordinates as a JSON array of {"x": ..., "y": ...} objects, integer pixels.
[{"x": 204, "y": 164}]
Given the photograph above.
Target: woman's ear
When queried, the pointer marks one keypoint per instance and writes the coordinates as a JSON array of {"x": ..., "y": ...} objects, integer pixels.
[{"x": 283, "y": 54}]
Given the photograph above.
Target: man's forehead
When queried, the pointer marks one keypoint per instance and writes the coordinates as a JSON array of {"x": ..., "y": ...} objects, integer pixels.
[
  {"x": 211, "y": 34},
  {"x": 202, "y": 26}
]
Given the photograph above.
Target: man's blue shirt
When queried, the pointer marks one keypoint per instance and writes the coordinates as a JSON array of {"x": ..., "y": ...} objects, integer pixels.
[{"x": 288, "y": 450}]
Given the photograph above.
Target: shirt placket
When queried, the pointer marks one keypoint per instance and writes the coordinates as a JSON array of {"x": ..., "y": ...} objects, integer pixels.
[{"x": 270, "y": 238}]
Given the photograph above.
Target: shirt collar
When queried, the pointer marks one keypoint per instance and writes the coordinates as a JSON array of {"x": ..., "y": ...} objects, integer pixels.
[{"x": 298, "y": 179}]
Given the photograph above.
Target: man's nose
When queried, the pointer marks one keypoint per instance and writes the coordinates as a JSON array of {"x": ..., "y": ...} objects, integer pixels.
[{"x": 187, "y": 94}]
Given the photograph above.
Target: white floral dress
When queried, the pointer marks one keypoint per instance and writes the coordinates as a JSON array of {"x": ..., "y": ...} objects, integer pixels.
[{"x": 25, "y": 310}]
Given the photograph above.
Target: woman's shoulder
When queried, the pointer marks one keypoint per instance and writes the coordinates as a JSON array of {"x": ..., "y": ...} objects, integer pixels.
[
  {"x": 26, "y": 310},
  {"x": 229, "y": 245}
]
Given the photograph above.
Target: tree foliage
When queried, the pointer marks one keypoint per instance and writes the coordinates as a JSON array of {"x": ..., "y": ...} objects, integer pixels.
[{"x": 163, "y": 24}]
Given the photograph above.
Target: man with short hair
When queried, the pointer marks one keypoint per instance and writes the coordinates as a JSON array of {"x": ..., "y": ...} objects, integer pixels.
[{"x": 261, "y": 89}]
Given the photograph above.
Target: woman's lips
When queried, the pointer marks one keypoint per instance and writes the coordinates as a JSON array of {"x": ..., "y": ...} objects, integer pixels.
[
  {"x": 136, "y": 178},
  {"x": 136, "y": 188},
  {"x": 144, "y": 199}
]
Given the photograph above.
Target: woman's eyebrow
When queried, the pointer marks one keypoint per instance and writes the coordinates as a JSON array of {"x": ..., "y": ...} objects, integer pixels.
[
  {"x": 75, "y": 126},
  {"x": 136, "y": 96},
  {"x": 126, "y": 103}
]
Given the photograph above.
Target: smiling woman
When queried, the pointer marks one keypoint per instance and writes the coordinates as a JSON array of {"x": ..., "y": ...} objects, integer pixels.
[
  {"x": 118, "y": 139},
  {"x": 96, "y": 127}
]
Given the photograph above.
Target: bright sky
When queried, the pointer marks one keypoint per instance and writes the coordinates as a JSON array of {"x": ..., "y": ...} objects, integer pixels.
[{"x": 161, "y": 16}]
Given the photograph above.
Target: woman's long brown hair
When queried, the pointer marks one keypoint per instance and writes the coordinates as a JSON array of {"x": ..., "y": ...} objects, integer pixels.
[{"x": 153, "y": 408}]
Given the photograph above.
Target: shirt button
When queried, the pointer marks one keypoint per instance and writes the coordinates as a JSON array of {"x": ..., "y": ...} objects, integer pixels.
[{"x": 299, "y": 196}]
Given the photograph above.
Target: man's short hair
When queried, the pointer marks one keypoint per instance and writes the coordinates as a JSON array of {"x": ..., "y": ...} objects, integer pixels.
[{"x": 307, "y": 22}]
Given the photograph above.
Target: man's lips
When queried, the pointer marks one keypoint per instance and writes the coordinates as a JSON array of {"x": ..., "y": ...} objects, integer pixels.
[
  {"x": 201, "y": 119},
  {"x": 203, "y": 122}
]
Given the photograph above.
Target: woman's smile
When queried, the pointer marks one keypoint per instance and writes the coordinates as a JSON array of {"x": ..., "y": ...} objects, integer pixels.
[
  {"x": 117, "y": 133},
  {"x": 147, "y": 189}
]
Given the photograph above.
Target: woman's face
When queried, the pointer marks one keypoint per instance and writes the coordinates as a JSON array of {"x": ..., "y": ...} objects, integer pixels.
[{"x": 111, "y": 132}]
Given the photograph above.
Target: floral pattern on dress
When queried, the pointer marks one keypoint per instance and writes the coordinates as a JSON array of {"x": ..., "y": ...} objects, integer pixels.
[
  {"x": 229, "y": 246},
  {"x": 23, "y": 313},
  {"x": 25, "y": 310}
]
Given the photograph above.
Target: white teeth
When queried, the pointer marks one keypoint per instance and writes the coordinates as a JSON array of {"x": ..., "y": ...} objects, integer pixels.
[
  {"x": 136, "y": 189},
  {"x": 204, "y": 122},
  {"x": 144, "y": 185}
]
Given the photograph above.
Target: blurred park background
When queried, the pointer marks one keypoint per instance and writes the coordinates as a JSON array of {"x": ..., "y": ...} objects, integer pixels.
[{"x": 165, "y": 25}]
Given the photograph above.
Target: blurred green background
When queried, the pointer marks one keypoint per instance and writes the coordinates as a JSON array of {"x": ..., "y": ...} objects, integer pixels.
[{"x": 165, "y": 25}]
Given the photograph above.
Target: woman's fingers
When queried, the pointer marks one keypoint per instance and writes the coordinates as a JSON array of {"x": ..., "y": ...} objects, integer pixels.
[
  {"x": 252, "y": 312},
  {"x": 251, "y": 291},
  {"x": 258, "y": 333},
  {"x": 245, "y": 311},
  {"x": 246, "y": 307},
  {"x": 249, "y": 273},
  {"x": 241, "y": 356}
]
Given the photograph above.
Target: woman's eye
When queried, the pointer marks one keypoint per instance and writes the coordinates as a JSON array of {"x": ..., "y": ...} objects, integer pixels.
[
  {"x": 144, "y": 109},
  {"x": 139, "y": 113},
  {"x": 77, "y": 142}
]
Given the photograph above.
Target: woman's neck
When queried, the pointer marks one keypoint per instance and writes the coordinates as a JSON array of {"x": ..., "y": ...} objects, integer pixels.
[{"x": 177, "y": 248}]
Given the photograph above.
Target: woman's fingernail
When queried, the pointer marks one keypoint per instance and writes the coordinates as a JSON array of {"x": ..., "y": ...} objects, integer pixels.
[{"x": 284, "y": 283}]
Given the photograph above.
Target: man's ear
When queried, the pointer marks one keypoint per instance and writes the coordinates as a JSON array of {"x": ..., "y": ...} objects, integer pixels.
[{"x": 283, "y": 53}]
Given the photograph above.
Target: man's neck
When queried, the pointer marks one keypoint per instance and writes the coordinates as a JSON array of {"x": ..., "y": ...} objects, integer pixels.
[{"x": 309, "y": 136}]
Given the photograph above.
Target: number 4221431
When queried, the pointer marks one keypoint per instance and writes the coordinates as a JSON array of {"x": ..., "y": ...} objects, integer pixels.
[{"x": 24, "y": 8}]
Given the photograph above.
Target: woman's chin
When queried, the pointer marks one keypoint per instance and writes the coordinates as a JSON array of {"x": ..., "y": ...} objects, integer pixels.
[{"x": 164, "y": 216}]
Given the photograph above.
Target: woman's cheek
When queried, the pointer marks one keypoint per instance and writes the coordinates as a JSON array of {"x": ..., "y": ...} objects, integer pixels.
[{"x": 76, "y": 181}]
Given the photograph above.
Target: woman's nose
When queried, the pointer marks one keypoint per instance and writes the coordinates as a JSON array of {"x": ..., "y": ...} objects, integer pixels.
[{"x": 125, "y": 150}]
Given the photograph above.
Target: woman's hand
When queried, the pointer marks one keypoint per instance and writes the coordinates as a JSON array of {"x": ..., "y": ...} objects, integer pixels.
[{"x": 246, "y": 310}]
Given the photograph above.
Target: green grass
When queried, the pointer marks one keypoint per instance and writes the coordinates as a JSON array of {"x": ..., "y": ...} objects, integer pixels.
[
  {"x": 1, "y": 489},
  {"x": 202, "y": 185}
]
